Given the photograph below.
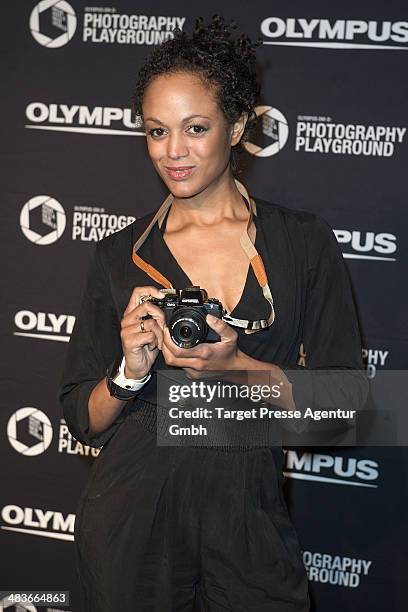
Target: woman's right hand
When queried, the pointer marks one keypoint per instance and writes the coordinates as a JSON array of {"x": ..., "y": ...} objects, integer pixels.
[{"x": 141, "y": 348}]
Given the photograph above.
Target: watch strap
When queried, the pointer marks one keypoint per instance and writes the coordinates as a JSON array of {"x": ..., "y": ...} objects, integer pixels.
[
  {"x": 119, "y": 386},
  {"x": 131, "y": 384}
]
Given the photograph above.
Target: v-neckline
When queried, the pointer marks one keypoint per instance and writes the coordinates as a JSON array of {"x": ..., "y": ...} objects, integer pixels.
[{"x": 183, "y": 273}]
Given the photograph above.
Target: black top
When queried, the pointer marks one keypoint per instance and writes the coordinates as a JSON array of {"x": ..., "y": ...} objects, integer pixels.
[{"x": 308, "y": 279}]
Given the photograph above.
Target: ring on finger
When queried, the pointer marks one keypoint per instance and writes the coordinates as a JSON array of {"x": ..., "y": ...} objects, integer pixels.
[{"x": 142, "y": 328}]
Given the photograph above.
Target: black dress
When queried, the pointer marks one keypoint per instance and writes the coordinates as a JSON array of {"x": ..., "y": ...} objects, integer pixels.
[{"x": 156, "y": 524}]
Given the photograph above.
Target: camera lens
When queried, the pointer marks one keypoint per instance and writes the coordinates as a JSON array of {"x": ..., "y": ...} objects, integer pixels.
[
  {"x": 185, "y": 332},
  {"x": 187, "y": 326}
]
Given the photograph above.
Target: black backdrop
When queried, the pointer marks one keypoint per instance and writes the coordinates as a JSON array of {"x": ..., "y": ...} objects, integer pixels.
[{"x": 331, "y": 139}]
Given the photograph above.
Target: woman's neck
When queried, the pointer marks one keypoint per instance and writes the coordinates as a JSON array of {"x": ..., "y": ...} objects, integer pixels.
[{"x": 221, "y": 200}]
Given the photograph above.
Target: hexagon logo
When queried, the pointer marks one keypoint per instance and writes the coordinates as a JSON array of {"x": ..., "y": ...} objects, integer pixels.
[
  {"x": 42, "y": 220},
  {"x": 29, "y": 431},
  {"x": 53, "y": 23},
  {"x": 273, "y": 133}
]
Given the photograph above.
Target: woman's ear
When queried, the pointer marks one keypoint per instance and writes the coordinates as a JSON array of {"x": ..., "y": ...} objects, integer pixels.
[{"x": 238, "y": 129}]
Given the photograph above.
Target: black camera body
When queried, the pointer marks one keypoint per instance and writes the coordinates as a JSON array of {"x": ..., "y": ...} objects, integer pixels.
[{"x": 185, "y": 311}]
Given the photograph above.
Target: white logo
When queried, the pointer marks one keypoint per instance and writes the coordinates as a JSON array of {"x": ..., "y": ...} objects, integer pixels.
[
  {"x": 374, "y": 359},
  {"x": 106, "y": 25},
  {"x": 322, "y": 135},
  {"x": 29, "y": 431},
  {"x": 335, "y": 569},
  {"x": 330, "y": 469},
  {"x": 93, "y": 226},
  {"x": 365, "y": 243},
  {"x": 44, "y": 325},
  {"x": 275, "y": 127},
  {"x": 69, "y": 445},
  {"x": 34, "y": 521},
  {"x": 53, "y": 23},
  {"x": 300, "y": 32},
  {"x": 110, "y": 121},
  {"x": 42, "y": 220}
]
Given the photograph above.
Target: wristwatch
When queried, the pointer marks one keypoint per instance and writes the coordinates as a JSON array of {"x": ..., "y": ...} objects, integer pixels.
[{"x": 119, "y": 386}]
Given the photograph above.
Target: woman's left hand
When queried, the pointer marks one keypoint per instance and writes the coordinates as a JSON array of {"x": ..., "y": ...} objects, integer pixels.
[{"x": 205, "y": 359}]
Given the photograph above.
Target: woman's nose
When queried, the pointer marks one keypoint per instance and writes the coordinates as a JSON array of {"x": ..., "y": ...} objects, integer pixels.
[{"x": 176, "y": 146}]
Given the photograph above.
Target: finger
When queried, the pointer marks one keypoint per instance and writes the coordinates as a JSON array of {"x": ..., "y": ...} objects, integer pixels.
[
  {"x": 201, "y": 351},
  {"x": 138, "y": 339},
  {"x": 152, "y": 325},
  {"x": 180, "y": 357},
  {"x": 144, "y": 309},
  {"x": 180, "y": 362},
  {"x": 149, "y": 325},
  {"x": 145, "y": 325},
  {"x": 225, "y": 331},
  {"x": 137, "y": 293}
]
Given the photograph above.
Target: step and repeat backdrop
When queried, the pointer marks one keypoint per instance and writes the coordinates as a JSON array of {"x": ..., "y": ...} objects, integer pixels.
[{"x": 332, "y": 139}]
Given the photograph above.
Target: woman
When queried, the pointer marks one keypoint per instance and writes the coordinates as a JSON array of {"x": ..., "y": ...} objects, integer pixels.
[{"x": 156, "y": 524}]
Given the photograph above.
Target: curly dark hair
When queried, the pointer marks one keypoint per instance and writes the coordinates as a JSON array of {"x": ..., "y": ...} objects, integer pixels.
[{"x": 213, "y": 53}]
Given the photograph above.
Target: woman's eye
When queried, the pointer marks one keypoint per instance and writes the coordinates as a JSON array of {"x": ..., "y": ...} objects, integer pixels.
[
  {"x": 196, "y": 129},
  {"x": 156, "y": 132}
]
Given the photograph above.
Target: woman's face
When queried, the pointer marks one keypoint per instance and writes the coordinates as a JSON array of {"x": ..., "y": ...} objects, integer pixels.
[{"x": 188, "y": 138}]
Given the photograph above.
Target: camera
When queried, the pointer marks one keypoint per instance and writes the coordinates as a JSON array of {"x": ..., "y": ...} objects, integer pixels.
[{"x": 185, "y": 311}]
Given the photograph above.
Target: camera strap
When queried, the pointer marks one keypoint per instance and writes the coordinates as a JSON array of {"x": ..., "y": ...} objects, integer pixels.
[{"x": 247, "y": 241}]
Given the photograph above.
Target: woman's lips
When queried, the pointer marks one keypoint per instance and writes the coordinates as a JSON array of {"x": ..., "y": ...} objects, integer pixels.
[{"x": 179, "y": 173}]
